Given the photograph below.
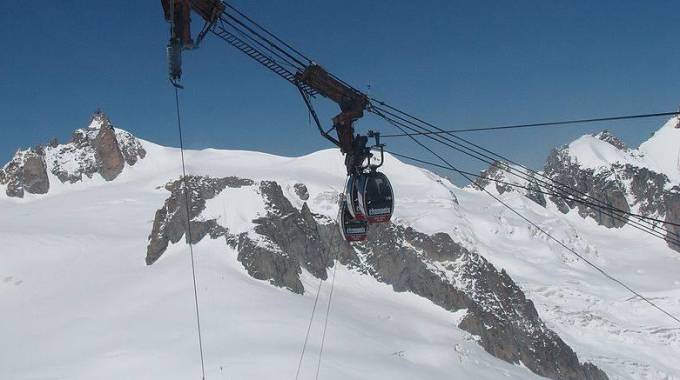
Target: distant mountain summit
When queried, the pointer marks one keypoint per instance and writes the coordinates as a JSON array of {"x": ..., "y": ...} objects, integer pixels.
[
  {"x": 610, "y": 138},
  {"x": 99, "y": 149},
  {"x": 643, "y": 181}
]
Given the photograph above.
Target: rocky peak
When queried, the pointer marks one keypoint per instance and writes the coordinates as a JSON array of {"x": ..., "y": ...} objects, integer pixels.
[
  {"x": 632, "y": 183},
  {"x": 25, "y": 173},
  {"x": 99, "y": 119},
  {"x": 610, "y": 138},
  {"x": 107, "y": 152},
  {"x": 497, "y": 179},
  {"x": 97, "y": 149}
]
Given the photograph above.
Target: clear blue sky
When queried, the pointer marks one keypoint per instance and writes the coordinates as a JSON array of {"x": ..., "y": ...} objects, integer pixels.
[{"x": 456, "y": 63}]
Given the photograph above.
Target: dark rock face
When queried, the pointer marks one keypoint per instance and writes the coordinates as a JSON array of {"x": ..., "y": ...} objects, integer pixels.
[
  {"x": 604, "y": 187},
  {"x": 263, "y": 264},
  {"x": 99, "y": 149},
  {"x": 301, "y": 191},
  {"x": 35, "y": 175},
  {"x": 498, "y": 312},
  {"x": 79, "y": 151},
  {"x": 671, "y": 201},
  {"x": 495, "y": 175},
  {"x": 170, "y": 222},
  {"x": 288, "y": 240},
  {"x": 107, "y": 152},
  {"x": 610, "y": 138},
  {"x": 26, "y": 172},
  {"x": 262, "y": 261},
  {"x": 624, "y": 187},
  {"x": 130, "y": 147}
]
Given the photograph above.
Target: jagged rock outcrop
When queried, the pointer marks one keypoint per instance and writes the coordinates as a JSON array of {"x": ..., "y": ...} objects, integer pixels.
[
  {"x": 170, "y": 221},
  {"x": 26, "y": 172},
  {"x": 130, "y": 147},
  {"x": 671, "y": 201},
  {"x": 109, "y": 158},
  {"x": 603, "y": 187},
  {"x": 612, "y": 139},
  {"x": 35, "y": 179},
  {"x": 99, "y": 149},
  {"x": 301, "y": 191},
  {"x": 287, "y": 240},
  {"x": 526, "y": 185}
]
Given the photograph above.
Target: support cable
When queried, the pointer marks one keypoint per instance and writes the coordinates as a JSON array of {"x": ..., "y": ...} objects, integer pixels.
[
  {"x": 544, "y": 124},
  {"x": 316, "y": 299},
  {"x": 453, "y": 168},
  {"x": 279, "y": 58},
  {"x": 553, "y": 184},
  {"x": 518, "y": 186},
  {"x": 187, "y": 200},
  {"x": 266, "y": 40},
  {"x": 642, "y": 224},
  {"x": 559, "y": 192},
  {"x": 267, "y": 32},
  {"x": 309, "y": 328},
  {"x": 549, "y": 235},
  {"x": 594, "y": 266},
  {"x": 328, "y": 311}
]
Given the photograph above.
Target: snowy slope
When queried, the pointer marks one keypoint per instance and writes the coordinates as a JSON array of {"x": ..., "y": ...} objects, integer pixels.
[
  {"x": 622, "y": 335},
  {"x": 78, "y": 302},
  {"x": 662, "y": 150}
]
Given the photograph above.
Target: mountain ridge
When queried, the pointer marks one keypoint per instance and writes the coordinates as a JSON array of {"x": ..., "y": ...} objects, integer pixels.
[
  {"x": 429, "y": 205},
  {"x": 603, "y": 169}
]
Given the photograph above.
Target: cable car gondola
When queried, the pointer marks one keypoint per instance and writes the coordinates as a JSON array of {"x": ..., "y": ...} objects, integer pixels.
[
  {"x": 352, "y": 198},
  {"x": 352, "y": 229},
  {"x": 368, "y": 197},
  {"x": 375, "y": 196}
]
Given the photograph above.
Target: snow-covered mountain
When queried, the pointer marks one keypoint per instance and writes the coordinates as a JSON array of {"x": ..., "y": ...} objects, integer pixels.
[
  {"x": 643, "y": 181},
  {"x": 95, "y": 277}
]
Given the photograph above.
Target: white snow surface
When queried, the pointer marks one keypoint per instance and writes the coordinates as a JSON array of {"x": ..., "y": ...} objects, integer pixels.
[
  {"x": 244, "y": 205},
  {"x": 78, "y": 302}
]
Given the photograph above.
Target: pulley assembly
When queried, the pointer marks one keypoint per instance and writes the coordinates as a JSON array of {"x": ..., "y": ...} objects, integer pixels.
[{"x": 368, "y": 196}]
